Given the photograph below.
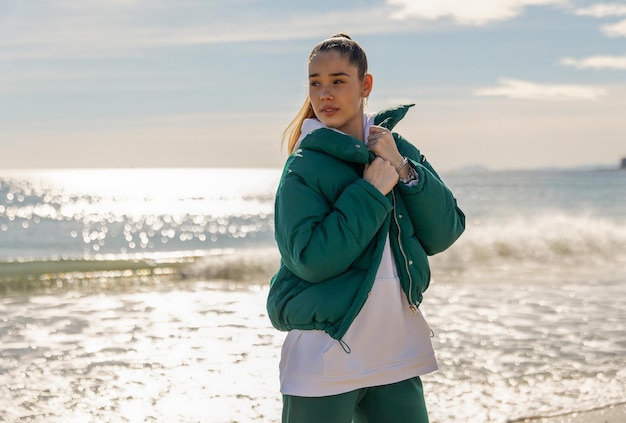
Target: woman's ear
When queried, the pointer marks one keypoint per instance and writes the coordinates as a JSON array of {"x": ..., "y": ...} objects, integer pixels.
[{"x": 368, "y": 83}]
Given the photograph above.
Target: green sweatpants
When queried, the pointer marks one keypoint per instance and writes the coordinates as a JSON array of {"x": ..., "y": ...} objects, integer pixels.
[{"x": 397, "y": 402}]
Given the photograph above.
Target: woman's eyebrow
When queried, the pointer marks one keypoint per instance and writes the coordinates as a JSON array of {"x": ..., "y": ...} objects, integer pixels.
[{"x": 315, "y": 75}]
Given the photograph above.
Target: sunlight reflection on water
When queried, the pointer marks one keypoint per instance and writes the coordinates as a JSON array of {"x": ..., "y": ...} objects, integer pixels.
[
  {"x": 83, "y": 212},
  {"x": 527, "y": 307}
]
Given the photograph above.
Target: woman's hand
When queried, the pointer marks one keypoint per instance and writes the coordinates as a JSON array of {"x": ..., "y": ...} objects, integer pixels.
[
  {"x": 381, "y": 143},
  {"x": 381, "y": 174}
]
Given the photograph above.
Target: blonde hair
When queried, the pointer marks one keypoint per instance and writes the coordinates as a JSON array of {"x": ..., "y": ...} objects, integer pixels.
[{"x": 347, "y": 47}]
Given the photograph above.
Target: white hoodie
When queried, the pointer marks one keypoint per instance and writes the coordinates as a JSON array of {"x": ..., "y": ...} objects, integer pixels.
[{"x": 387, "y": 342}]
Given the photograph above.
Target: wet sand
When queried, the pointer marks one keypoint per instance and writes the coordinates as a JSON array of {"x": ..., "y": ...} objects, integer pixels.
[
  {"x": 206, "y": 352},
  {"x": 197, "y": 354},
  {"x": 610, "y": 414}
]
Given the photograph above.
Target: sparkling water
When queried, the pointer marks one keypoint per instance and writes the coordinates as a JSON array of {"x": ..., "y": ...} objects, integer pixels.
[{"x": 138, "y": 295}]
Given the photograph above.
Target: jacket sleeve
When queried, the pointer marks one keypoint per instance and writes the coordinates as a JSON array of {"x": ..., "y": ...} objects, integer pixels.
[
  {"x": 319, "y": 238},
  {"x": 433, "y": 210}
]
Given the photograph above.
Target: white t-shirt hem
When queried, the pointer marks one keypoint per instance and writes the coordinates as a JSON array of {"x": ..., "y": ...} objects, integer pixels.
[{"x": 346, "y": 383}]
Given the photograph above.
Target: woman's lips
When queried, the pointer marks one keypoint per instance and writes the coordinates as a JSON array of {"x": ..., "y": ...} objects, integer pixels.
[{"x": 329, "y": 111}]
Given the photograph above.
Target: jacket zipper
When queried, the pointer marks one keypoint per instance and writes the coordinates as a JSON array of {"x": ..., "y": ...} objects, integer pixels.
[{"x": 412, "y": 304}]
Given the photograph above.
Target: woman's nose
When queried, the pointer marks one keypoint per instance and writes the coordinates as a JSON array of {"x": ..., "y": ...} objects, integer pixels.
[{"x": 325, "y": 93}]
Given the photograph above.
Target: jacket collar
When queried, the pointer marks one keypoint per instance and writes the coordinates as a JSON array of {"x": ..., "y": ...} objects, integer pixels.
[
  {"x": 345, "y": 147},
  {"x": 389, "y": 118}
]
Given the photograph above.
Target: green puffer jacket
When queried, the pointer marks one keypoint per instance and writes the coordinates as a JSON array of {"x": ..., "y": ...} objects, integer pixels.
[{"x": 331, "y": 226}]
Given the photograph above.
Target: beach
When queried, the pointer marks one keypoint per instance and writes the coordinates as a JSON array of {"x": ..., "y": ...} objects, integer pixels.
[
  {"x": 609, "y": 414},
  {"x": 205, "y": 351},
  {"x": 139, "y": 304}
]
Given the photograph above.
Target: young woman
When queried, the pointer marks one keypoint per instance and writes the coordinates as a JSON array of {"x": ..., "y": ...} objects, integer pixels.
[{"x": 357, "y": 212}]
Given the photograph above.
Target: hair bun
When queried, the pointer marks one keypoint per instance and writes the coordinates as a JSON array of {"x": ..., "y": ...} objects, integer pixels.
[{"x": 341, "y": 35}]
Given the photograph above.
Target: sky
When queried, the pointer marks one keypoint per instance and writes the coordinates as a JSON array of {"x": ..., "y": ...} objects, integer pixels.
[{"x": 501, "y": 84}]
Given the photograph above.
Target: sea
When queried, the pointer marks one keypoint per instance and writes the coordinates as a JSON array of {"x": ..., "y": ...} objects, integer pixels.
[{"x": 138, "y": 295}]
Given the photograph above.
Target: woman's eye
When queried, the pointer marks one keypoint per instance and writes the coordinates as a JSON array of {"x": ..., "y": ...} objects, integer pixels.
[
  {"x": 338, "y": 82},
  {"x": 315, "y": 84}
]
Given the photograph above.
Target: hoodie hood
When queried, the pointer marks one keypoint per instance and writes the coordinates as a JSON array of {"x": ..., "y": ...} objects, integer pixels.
[{"x": 387, "y": 118}]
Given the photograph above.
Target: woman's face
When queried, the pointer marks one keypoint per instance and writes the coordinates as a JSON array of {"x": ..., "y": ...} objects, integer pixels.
[{"x": 337, "y": 92}]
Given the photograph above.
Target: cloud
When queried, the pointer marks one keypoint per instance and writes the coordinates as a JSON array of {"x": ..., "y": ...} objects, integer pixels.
[
  {"x": 603, "y": 10},
  {"x": 524, "y": 90},
  {"x": 101, "y": 29},
  {"x": 615, "y": 30},
  {"x": 596, "y": 62},
  {"x": 464, "y": 12}
]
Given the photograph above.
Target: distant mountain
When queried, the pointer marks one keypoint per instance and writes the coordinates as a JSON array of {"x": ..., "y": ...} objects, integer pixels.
[{"x": 476, "y": 168}]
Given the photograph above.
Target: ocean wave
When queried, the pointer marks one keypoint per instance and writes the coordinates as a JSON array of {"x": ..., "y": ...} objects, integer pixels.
[
  {"x": 543, "y": 238},
  {"x": 113, "y": 271},
  {"x": 547, "y": 249},
  {"x": 98, "y": 272},
  {"x": 557, "y": 244}
]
